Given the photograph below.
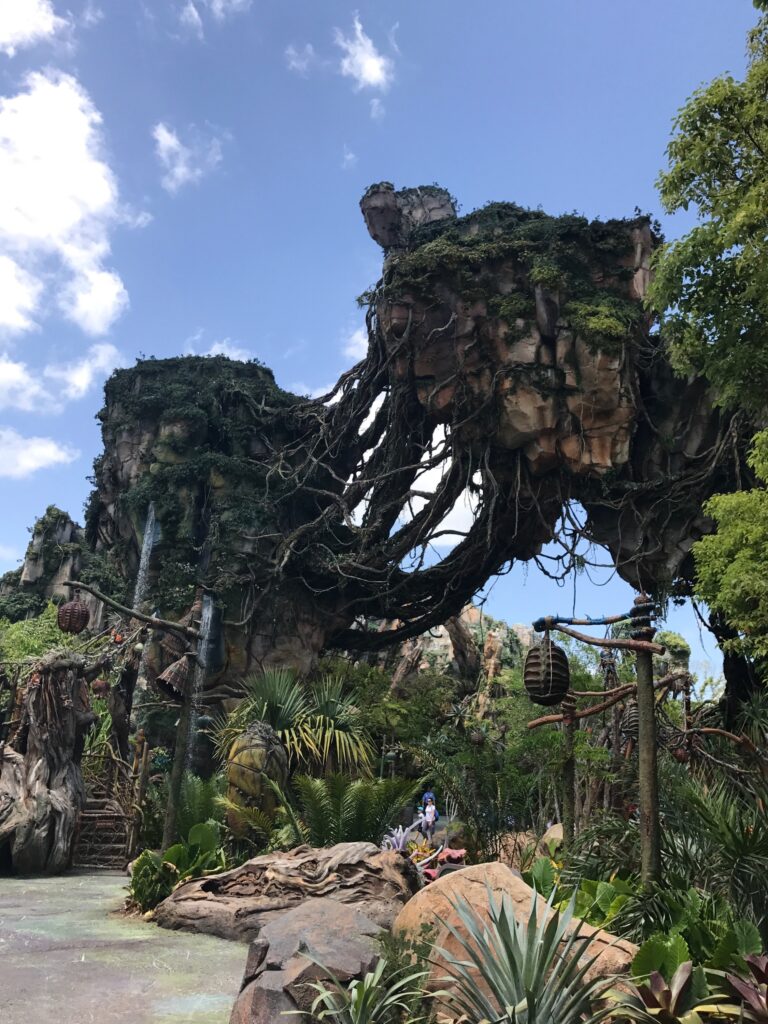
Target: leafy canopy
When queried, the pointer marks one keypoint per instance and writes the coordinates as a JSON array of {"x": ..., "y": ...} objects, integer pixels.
[
  {"x": 712, "y": 284},
  {"x": 732, "y": 564}
]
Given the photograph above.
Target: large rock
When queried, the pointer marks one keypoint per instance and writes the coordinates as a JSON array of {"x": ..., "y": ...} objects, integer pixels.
[
  {"x": 433, "y": 907},
  {"x": 288, "y": 953},
  {"x": 238, "y": 904}
]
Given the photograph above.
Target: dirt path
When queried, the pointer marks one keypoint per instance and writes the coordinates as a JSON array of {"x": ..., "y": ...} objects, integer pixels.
[{"x": 65, "y": 959}]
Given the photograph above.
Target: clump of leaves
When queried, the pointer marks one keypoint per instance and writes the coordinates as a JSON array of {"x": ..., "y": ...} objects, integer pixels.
[{"x": 155, "y": 875}]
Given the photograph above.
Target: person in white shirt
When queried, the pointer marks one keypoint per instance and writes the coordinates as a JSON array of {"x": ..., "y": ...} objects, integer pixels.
[{"x": 430, "y": 815}]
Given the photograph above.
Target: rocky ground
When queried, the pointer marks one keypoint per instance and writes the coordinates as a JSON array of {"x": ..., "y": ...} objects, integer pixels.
[{"x": 67, "y": 957}]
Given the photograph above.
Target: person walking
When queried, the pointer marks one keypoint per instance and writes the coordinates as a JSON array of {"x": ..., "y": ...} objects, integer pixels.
[{"x": 430, "y": 817}]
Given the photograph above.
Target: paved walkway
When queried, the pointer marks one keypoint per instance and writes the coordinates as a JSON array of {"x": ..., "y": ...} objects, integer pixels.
[{"x": 66, "y": 957}]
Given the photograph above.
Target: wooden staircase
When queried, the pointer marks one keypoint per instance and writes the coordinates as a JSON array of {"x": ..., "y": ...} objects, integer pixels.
[
  {"x": 102, "y": 839},
  {"x": 109, "y": 822}
]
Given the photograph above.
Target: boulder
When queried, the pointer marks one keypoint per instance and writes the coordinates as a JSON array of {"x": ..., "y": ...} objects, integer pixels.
[
  {"x": 613, "y": 955},
  {"x": 238, "y": 904},
  {"x": 281, "y": 962},
  {"x": 553, "y": 837}
]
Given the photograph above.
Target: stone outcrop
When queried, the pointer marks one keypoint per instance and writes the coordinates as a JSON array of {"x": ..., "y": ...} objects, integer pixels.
[
  {"x": 433, "y": 908},
  {"x": 288, "y": 954},
  {"x": 510, "y": 355},
  {"x": 55, "y": 554},
  {"x": 238, "y": 904}
]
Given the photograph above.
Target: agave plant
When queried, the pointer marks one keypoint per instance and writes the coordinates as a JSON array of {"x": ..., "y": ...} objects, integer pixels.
[
  {"x": 319, "y": 724},
  {"x": 520, "y": 972},
  {"x": 377, "y": 998}
]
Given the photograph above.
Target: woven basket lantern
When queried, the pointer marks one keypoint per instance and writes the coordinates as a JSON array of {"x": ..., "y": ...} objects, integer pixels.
[
  {"x": 174, "y": 679},
  {"x": 73, "y": 616},
  {"x": 546, "y": 674}
]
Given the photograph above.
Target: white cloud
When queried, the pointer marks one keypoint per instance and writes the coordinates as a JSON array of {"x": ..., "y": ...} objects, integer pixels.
[
  {"x": 356, "y": 344},
  {"x": 226, "y": 347},
  {"x": 19, "y": 295},
  {"x": 189, "y": 18},
  {"x": 26, "y": 22},
  {"x": 300, "y": 388},
  {"x": 92, "y": 15},
  {"x": 362, "y": 61},
  {"x": 58, "y": 203},
  {"x": 20, "y": 388},
  {"x": 301, "y": 60},
  {"x": 348, "y": 159},
  {"x": 21, "y": 456},
  {"x": 221, "y": 347},
  {"x": 94, "y": 300},
  {"x": 456, "y": 523},
  {"x": 377, "y": 109},
  {"x": 77, "y": 378},
  {"x": 24, "y": 389},
  {"x": 183, "y": 164},
  {"x": 222, "y": 9}
]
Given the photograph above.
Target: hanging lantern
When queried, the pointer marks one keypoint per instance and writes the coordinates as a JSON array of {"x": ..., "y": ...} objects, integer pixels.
[
  {"x": 174, "y": 679},
  {"x": 630, "y": 720},
  {"x": 73, "y": 616},
  {"x": 546, "y": 674}
]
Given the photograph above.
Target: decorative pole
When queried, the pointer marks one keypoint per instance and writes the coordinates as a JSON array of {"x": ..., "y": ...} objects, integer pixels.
[
  {"x": 648, "y": 780},
  {"x": 569, "y": 772}
]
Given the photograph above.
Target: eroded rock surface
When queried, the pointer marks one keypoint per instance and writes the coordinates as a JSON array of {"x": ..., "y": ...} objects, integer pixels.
[
  {"x": 433, "y": 908},
  {"x": 288, "y": 953},
  {"x": 238, "y": 904}
]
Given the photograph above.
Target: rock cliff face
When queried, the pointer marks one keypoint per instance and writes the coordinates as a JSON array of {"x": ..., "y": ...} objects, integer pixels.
[
  {"x": 511, "y": 366},
  {"x": 56, "y": 553}
]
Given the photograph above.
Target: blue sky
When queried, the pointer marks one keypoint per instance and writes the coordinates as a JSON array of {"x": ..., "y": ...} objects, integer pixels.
[{"x": 183, "y": 175}]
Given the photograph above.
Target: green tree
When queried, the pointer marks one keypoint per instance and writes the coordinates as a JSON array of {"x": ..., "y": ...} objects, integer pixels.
[
  {"x": 31, "y": 638},
  {"x": 732, "y": 564},
  {"x": 711, "y": 285}
]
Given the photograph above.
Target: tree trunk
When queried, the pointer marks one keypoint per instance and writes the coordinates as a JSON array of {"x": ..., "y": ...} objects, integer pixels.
[
  {"x": 650, "y": 827},
  {"x": 465, "y": 652},
  {"x": 41, "y": 786},
  {"x": 170, "y": 831}
]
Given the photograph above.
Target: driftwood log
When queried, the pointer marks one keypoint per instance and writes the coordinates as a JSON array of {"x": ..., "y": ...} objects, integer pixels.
[{"x": 41, "y": 786}]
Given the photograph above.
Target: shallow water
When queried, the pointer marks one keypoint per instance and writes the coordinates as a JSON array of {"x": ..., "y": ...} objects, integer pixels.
[{"x": 67, "y": 958}]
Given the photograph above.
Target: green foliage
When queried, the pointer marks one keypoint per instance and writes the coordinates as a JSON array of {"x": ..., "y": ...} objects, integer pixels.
[
  {"x": 661, "y": 953},
  {"x": 156, "y": 875},
  {"x": 712, "y": 284},
  {"x": 599, "y": 903},
  {"x": 380, "y": 997},
  {"x": 509, "y": 970},
  {"x": 318, "y": 725},
  {"x": 18, "y": 604},
  {"x": 732, "y": 564},
  {"x": 31, "y": 638},
  {"x": 337, "y": 809},
  {"x": 199, "y": 800}
]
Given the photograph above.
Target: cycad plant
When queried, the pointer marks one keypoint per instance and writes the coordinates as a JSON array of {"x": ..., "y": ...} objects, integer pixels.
[
  {"x": 337, "y": 809},
  {"x": 511, "y": 971},
  {"x": 319, "y": 724}
]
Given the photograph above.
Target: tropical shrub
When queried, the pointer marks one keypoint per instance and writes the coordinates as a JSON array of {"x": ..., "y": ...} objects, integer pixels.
[
  {"x": 155, "y": 875},
  {"x": 319, "y": 724},
  {"x": 337, "y": 809}
]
